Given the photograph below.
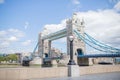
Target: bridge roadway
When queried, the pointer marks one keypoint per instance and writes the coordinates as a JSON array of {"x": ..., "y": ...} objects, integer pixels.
[
  {"x": 89, "y": 56},
  {"x": 100, "y": 76},
  {"x": 99, "y": 55}
]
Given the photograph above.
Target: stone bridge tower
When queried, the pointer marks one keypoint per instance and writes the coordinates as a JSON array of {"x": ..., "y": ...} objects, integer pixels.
[
  {"x": 78, "y": 45},
  {"x": 78, "y": 25}
]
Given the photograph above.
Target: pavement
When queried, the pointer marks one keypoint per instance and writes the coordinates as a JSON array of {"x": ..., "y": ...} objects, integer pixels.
[{"x": 101, "y": 76}]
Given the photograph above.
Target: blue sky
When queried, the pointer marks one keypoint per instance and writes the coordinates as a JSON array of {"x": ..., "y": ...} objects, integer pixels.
[{"x": 22, "y": 20}]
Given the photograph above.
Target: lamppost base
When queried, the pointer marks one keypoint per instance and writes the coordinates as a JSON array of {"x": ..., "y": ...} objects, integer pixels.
[
  {"x": 71, "y": 62},
  {"x": 73, "y": 71}
]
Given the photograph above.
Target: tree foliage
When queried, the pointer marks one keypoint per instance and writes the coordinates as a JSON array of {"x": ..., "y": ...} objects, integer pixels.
[
  {"x": 10, "y": 57},
  {"x": 1, "y": 58}
]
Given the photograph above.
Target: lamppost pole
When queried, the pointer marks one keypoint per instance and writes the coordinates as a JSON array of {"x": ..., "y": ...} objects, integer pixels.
[{"x": 71, "y": 61}]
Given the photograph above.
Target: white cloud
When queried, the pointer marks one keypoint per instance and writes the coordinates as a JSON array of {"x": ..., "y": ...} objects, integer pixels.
[
  {"x": 26, "y": 43},
  {"x": 75, "y": 2},
  {"x": 2, "y": 33},
  {"x": 7, "y": 37},
  {"x": 117, "y": 6},
  {"x": 4, "y": 44},
  {"x": 76, "y": 5},
  {"x": 50, "y": 28},
  {"x": 114, "y": 1},
  {"x": 12, "y": 38},
  {"x": 103, "y": 25},
  {"x": 26, "y": 25},
  {"x": 1, "y": 1},
  {"x": 16, "y": 32}
]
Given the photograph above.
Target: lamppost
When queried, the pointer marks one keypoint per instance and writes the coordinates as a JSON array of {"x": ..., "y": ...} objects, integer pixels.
[{"x": 71, "y": 61}]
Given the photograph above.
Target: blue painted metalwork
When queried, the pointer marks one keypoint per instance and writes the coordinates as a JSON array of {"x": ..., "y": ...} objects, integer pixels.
[
  {"x": 82, "y": 38},
  {"x": 87, "y": 39},
  {"x": 33, "y": 53},
  {"x": 98, "y": 55},
  {"x": 96, "y": 44},
  {"x": 102, "y": 44},
  {"x": 55, "y": 34},
  {"x": 52, "y": 58},
  {"x": 57, "y": 37}
]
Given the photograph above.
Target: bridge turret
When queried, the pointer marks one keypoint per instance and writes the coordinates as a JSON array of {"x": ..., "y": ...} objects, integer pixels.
[
  {"x": 76, "y": 23},
  {"x": 44, "y": 32}
]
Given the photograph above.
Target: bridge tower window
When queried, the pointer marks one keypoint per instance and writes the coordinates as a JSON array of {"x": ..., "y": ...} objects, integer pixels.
[{"x": 79, "y": 51}]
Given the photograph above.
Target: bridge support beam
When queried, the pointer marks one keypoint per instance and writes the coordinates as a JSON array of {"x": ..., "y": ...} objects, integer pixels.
[
  {"x": 38, "y": 60},
  {"x": 40, "y": 46},
  {"x": 46, "y": 47},
  {"x": 49, "y": 48}
]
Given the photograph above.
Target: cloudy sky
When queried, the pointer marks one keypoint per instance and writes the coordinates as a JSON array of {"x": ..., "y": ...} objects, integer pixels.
[{"x": 22, "y": 20}]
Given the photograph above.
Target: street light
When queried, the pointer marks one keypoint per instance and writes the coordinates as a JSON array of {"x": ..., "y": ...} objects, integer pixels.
[{"x": 71, "y": 61}]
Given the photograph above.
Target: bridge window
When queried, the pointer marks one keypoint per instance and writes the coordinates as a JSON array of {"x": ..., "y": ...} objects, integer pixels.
[
  {"x": 76, "y": 21},
  {"x": 79, "y": 51},
  {"x": 46, "y": 55}
]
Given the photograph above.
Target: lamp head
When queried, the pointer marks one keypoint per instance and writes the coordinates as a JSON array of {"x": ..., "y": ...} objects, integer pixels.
[{"x": 71, "y": 38}]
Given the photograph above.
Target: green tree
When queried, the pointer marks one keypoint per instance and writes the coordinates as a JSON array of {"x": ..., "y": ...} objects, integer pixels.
[
  {"x": 13, "y": 57},
  {"x": 1, "y": 58},
  {"x": 6, "y": 58}
]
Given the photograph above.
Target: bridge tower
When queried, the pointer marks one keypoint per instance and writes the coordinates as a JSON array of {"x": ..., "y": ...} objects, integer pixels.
[
  {"x": 78, "y": 25},
  {"x": 44, "y": 47},
  {"x": 78, "y": 45}
]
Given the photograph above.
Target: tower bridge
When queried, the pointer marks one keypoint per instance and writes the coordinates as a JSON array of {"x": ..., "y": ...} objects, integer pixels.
[
  {"x": 76, "y": 47},
  {"x": 44, "y": 44},
  {"x": 75, "y": 27}
]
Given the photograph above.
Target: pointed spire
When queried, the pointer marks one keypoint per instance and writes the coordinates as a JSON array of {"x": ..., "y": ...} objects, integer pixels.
[{"x": 82, "y": 22}]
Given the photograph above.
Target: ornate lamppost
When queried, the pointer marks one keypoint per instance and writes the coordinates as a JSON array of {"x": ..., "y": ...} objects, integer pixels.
[{"x": 71, "y": 61}]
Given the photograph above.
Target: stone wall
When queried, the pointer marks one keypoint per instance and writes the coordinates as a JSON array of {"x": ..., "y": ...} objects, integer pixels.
[
  {"x": 34, "y": 73},
  {"x": 99, "y": 69},
  {"x": 31, "y": 73}
]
